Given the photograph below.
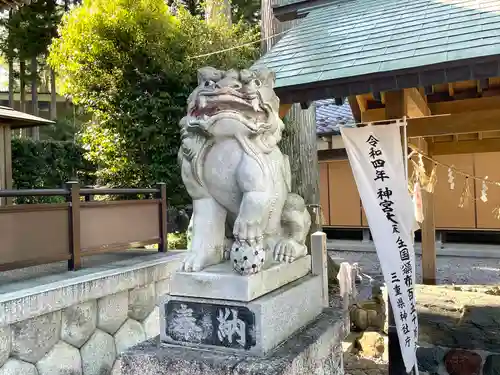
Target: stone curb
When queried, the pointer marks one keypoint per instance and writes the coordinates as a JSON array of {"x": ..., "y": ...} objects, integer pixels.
[{"x": 120, "y": 276}]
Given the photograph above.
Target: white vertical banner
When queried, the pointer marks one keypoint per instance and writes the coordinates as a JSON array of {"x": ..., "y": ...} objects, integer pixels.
[{"x": 376, "y": 159}]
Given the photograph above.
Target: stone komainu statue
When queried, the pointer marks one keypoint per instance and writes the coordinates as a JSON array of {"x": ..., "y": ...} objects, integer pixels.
[{"x": 238, "y": 178}]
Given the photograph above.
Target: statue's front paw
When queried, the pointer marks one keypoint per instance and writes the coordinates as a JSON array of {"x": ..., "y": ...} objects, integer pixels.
[
  {"x": 249, "y": 231},
  {"x": 288, "y": 250},
  {"x": 195, "y": 262}
]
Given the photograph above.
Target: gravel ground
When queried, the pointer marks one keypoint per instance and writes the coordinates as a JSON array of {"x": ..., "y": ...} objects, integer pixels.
[{"x": 450, "y": 270}]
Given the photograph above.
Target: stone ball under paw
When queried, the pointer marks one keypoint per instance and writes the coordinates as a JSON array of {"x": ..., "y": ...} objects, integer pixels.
[{"x": 247, "y": 259}]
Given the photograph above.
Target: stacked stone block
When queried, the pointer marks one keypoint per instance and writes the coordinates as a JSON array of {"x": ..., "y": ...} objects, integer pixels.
[{"x": 82, "y": 339}]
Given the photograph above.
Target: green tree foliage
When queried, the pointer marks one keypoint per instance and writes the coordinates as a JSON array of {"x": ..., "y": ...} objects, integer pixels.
[
  {"x": 47, "y": 164},
  {"x": 243, "y": 10},
  {"x": 132, "y": 64},
  {"x": 247, "y": 10},
  {"x": 29, "y": 30},
  {"x": 64, "y": 128}
]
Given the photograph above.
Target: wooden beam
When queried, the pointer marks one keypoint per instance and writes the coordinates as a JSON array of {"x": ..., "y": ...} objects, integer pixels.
[
  {"x": 451, "y": 90},
  {"x": 356, "y": 110},
  {"x": 395, "y": 106},
  {"x": 284, "y": 108},
  {"x": 322, "y": 144},
  {"x": 460, "y": 123},
  {"x": 407, "y": 102},
  {"x": 362, "y": 102},
  {"x": 339, "y": 154},
  {"x": 416, "y": 107},
  {"x": 421, "y": 145},
  {"x": 371, "y": 115},
  {"x": 465, "y": 105},
  {"x": 467, "y": 147},
  {"x": 416, "y": 103}
]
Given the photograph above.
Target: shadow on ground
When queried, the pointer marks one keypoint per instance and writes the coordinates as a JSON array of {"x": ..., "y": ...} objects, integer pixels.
[
  {"x": 354, "y": 365},
  {"x": 458, "y": 318}
]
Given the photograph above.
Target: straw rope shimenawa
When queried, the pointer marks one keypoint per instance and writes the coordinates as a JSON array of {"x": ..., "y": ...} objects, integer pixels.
[
  {"x": 428, "y": 182},
  {"x": 238, "y": 46}
]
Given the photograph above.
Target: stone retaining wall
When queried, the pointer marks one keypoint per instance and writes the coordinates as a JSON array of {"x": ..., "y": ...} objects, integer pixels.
[
  {"x": 79, "y": 326},
  {"x": 437, "y": 360}
]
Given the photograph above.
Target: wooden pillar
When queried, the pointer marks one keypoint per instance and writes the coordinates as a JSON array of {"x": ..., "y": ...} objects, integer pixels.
[
  {"x": 412, "y": 103},
  {"x": 162, "y": 208},
  {"x": 428, "y": 229},
  {"x": 5, "y": 162},
  {"x": 2, "y": 163},
  {"x": 73, "y": 198}
]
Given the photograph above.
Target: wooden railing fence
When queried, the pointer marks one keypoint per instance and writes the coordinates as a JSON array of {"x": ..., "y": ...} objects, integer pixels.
[{"x": 34, "y": 234}]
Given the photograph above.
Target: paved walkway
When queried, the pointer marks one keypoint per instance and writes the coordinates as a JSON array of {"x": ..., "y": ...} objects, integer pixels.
[
  {"x": 47, "y": 273},
  {"x": 479, "y": 268},
  {"x": 446, "y": 249}
]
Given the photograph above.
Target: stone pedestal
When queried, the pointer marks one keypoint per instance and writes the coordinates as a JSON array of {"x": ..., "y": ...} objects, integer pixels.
[
  {"x": 249, "y": 328},
  {"x": 216, "y": 309},
  {"x": 221, "y": 282},
  {"x": 272, "y": 322},
  {"x": 315, "y": 349}
]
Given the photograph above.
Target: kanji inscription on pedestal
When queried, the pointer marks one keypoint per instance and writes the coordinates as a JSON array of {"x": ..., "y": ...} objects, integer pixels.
[{"x": 210, "y": 324}]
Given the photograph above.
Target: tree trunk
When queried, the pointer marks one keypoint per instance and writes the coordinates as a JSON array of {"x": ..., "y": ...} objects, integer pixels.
[
  {"x": 11, "y": 71},
  {"x": 268, "y": 26},
  {"x": 53, "y": 95},
  {"x": 35, "y": 132},
  {"x": 218, "y": 11},
  {"x": 299, "y": 139},
  {"x": 11, "y": 82},
  {"x": 22, "y": 88},
  {"x": 299, "y": 143}
]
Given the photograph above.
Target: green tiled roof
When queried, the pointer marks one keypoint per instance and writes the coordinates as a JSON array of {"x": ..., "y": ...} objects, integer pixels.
[{"x": 360, "y": 37}]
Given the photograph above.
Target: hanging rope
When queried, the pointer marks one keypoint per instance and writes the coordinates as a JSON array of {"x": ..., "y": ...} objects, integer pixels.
[{"x": 428, "y": 182}]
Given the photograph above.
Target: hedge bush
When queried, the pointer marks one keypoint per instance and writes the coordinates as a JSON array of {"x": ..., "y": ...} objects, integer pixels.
[
  {"x": 177, "y": 241},
  {"x": 48, "y": 164}
]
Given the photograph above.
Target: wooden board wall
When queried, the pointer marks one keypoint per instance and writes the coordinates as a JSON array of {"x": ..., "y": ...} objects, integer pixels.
[
  {"x": 364, "y": 220},
  {"x": 342, "y": 206},
  {"x": 487, "y": 164},
  {"x": 324, "y": 193},
  {"x": 447, "y": 213},
  {"x": 345, "y": 203}
]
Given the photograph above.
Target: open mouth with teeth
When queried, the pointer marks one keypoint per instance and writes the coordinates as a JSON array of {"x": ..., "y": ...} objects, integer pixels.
[{"x": 208, "y": 105}]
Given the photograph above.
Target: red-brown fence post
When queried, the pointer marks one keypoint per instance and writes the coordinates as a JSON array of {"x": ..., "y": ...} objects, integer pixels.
[
  {"x": 162, "y": 196},
  {"x": 73, "y": 198}
]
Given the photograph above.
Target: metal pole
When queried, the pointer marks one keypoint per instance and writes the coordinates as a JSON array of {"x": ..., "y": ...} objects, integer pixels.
[
  {"x": 396, "y": 363},
  {"x": 405, "y": 148}
]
